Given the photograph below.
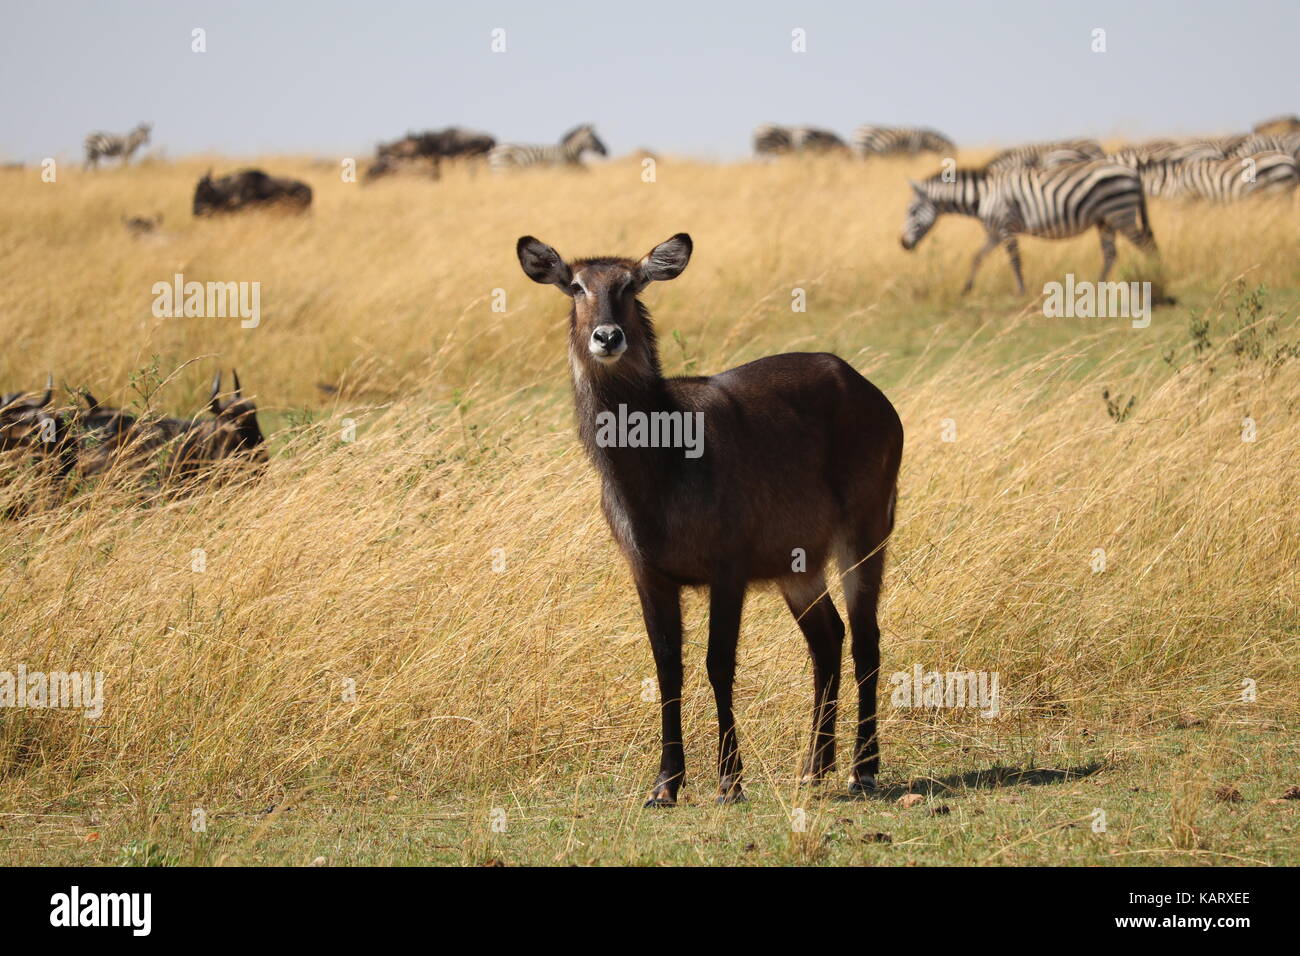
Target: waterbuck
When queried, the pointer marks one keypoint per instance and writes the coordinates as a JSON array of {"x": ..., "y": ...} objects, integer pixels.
[{"x": 797, "y": 458}]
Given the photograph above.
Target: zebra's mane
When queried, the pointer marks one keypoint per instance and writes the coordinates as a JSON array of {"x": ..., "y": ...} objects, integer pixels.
[{"x": 575, "y": 132}]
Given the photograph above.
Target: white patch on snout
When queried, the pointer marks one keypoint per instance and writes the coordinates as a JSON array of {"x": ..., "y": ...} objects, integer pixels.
[{"x": 598, "y": 351}]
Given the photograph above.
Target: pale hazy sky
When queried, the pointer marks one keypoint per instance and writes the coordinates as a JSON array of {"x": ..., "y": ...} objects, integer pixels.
[{"x": 332, "y": 77}]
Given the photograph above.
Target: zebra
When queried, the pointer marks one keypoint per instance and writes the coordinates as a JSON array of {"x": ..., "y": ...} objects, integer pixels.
[
  {"x": 1046, "y": 155},
  {"x": 1165, "y": 151},
  {"x": 894, "y": 140},
  {"x": 568, "y": 152},
  {"x": 1224, "y": 180},
  {"x": 1052, "y": 204},
  {"x": 110, "y": 144},
  {"x": 1267, "y": 143},
  {"x": 773, "y": 140}
]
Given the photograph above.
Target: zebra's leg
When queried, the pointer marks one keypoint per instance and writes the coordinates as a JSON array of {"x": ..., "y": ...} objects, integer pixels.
[
  {"x": 1107, "y": 249},
  {"x": 1013, "y": 253},
  {"x": 990, "y": 241}
]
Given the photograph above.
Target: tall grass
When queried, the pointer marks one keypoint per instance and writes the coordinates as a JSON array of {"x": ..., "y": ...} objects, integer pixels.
[{"x": 451, "y": 566}]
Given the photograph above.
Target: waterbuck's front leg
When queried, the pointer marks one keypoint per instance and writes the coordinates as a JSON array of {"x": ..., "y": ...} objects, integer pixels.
[
  {"x": 726, "y": 600},
  {"x": 661, "y": 605}
]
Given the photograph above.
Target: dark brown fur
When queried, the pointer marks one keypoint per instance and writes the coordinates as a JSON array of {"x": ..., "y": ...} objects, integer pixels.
[
  {"x": 249, "y": 188},
  {"x": 800, "y": 453}
]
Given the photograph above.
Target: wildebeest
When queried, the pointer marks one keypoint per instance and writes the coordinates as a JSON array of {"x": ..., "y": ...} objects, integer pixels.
[
  {"x": 795, "y": 458},
  {"x": 231, "y": 433},
  {"x": 424, "y": 152},
  {"x": 28, "y": 421},
  {"x": 249, "y": 188},
  {"x": 448, "y": 143},
  {"x": 112, "y": 439},
  {"x": 34, "y": 433}
]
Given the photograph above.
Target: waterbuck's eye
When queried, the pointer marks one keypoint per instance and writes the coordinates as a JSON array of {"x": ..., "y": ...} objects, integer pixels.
[{"x": 575, "y": 289}]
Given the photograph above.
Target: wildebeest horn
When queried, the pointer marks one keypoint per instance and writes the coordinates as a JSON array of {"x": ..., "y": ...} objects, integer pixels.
[
  {"x": 91, "y": 401},
  {"x": 238, "y": 390},
  {"x": 49, "y": 389},
  {"x": 213, "y": 404}
]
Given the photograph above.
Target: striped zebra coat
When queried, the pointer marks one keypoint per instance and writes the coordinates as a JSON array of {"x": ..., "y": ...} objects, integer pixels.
[
  {"x": 1052, "y": 204},
  {"x": 1046, "y": 155},
  {"x": 110, "y": 144},
  {"x": 568, "y": 152},
  {"x": 1222, "y": 180},
  {"x": 773, "y": 140},
  {"x": 1164, "y": 151},
  {"x": 899, "y": 140}
]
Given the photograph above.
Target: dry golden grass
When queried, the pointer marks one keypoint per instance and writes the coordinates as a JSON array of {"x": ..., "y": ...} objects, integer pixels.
[{"x": 372, "y": 561}]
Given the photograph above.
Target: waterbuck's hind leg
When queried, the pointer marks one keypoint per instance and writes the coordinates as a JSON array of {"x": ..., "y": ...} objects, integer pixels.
[
  {"x": 726, "y": 601},
  {"x": 661, "y": 606},
  {"x": 813, "y": 610},
  {"x": 862, "y": 593}
]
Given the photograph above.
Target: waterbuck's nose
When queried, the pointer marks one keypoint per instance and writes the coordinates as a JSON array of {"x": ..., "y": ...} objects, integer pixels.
[{"x": 608, "y": 340}]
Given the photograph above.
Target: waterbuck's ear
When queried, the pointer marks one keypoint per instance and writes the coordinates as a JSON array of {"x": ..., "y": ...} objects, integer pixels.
[
  {"x": 665, "y": 261},
  {"x": 543, "y": 264}
]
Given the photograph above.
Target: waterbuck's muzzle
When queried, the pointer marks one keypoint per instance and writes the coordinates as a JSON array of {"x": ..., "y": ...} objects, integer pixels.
[{"x": 607, "y": 343}]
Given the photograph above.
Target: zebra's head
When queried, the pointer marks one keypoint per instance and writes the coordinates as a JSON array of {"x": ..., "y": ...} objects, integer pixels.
[
  {"x": 584, "y": 138},
  {"x": 921, "y": 216},
  {"x": 142, "y": 131}
]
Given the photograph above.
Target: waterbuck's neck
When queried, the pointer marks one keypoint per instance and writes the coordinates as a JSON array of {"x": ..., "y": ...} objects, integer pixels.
[
  {"x": 961, "y": 195},
  {"x": 634, "y": 383}
]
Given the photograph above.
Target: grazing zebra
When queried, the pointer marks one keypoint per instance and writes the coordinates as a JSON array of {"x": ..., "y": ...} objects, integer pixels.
[
  {"x": 1222, "y": 180},
  {"x": 773, "y": 140},
  {"x": 1046, "y": 155},
  {"x": 110, "y": 144},
  {"x": 1052, "y": 204},
  {"x": 900, "y": 140},
  {"x": 568, "y": 152}
]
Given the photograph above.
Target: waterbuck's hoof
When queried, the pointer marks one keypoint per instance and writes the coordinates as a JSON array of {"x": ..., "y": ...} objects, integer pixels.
[
  {"x": 654, "y": 803},
  {"x": 732, "y": 796},
  {"x": 862, "y": 786}
]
